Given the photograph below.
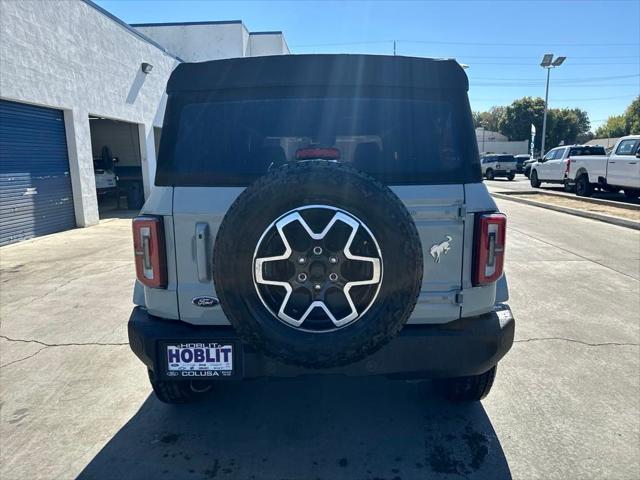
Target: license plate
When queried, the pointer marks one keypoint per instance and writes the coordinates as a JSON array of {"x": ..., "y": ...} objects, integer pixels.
[
  {"x": 508, "y": 171},
  {"x": 200, "y": 360}
]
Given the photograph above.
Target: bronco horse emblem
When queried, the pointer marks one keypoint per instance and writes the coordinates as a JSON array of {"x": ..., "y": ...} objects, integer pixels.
[{"x": 440, "y": 249}]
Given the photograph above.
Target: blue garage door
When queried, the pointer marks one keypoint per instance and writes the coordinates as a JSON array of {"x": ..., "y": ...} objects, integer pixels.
[{"x": 35, "y": 187}]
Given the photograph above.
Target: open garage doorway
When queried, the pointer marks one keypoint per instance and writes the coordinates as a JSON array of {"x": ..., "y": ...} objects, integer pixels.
[{"x": 115, "y": 146}]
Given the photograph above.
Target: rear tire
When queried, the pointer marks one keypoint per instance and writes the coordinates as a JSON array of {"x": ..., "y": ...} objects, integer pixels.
[
  {"x": 583, "y": 187},
  {"x": 467, "y": 389},
  {"x": 632, "y": 194},
  {"x": 511, "y": 177},
  {"x": 489, "y": 174},
  {"x": 178, "y": 393},
  {"x": 535, "y": 183}
]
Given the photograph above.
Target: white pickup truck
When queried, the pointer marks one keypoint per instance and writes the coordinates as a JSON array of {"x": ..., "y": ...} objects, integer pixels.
[
  {"x": 585, "y": 167},
  {"x": 618, "y": 171}
]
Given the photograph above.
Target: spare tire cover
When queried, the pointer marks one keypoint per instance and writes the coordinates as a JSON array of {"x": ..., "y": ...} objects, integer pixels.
[{"x": 317, "y": 264}]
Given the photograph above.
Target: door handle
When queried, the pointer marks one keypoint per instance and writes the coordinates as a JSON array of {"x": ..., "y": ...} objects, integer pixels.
[{"x": 202, "y": 258}]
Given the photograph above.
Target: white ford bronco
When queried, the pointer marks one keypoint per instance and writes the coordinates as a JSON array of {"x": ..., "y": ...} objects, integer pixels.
[{"x": 319, "y": 214}]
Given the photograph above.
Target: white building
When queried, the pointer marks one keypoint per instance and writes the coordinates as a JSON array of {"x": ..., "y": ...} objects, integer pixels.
[
  {"x": 495, "y": 142},
  {"x": 75, "y": 79}
]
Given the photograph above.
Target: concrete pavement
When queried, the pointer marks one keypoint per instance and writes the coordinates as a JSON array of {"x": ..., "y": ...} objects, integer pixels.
[
  {"x": 566, "y": 404},
  {"x": 522, "y": 184}
]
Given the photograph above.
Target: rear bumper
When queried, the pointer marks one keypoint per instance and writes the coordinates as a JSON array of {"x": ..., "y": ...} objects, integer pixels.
[{"x": 468, "y": 346}]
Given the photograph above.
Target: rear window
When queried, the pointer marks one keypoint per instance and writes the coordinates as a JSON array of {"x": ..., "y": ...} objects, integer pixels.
[
  {"x": 400, "y": 141},
  {"x": 506, "y": 158},
  {"x": 580, "y": 151}
]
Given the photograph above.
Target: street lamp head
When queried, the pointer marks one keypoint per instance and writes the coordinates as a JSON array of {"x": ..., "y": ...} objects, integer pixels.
[
  {"x": 546, "y": 60},
  {"x": 558, "y": 61}
]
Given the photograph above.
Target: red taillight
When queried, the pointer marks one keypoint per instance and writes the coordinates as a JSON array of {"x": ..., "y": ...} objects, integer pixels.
[
  {"x": 568, "y": 167},
  {"x": 149, "y": 251},
  {"x": 322, "y": 153},
  {"x": 489, "y": 248}
]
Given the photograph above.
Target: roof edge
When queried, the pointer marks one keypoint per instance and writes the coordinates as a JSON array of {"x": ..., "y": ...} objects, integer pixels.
[
  {"x": 130, "y": 29},
  {"x": 181, "y": 24}
]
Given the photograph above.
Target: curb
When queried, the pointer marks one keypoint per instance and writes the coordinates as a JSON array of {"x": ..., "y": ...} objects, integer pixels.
[
  {"x": 597, "y": 201},
  {"x": 621, "y": 222}
]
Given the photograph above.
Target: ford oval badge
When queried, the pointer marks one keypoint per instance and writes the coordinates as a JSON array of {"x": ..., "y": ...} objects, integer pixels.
[{"x": 205, "y": 301}]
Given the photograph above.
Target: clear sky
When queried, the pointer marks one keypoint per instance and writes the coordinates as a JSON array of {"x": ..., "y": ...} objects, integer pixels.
[{"x": 501, "y": 41}]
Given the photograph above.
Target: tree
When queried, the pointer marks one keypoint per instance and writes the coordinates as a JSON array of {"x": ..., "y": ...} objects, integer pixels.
[
  {"x": 632, "y": 117},
  {"x": 564, "y": 126},
  {"x": 615, "y": 126},
  {"x": 518, "y": 118},
  {"x": 619, "y": 125},
  {"x": 489, "y": 120}
]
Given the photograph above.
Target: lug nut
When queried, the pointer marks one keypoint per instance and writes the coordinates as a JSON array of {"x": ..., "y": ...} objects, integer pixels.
[
  {"x": 333, "y": 277},
  {"x": 302, "y": 277},
  {"x": 302, "y": 260},
  {"x": 317, "y": 250},
  {"x": 317, "y": 287},
  {"x": 333, "y": 260}
]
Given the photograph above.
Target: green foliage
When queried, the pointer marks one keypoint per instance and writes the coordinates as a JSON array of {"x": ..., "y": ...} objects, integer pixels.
[
  {"x": 564, "y": 125},
  {"x": 489, "y": 120},
  {"x": 615, "y": 126},
  {"x": 518, "y": 117},
  {"x": 620, "y": 125},
  {"x": 632, "y": 117},
  {"x": 515, "y": 120}
]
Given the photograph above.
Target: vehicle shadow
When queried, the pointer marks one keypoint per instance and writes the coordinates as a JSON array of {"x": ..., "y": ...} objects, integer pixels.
[{"x": 306, "y": 428}]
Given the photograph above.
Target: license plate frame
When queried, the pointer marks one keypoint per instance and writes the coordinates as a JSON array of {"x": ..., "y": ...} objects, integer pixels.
[{"x": 211, "y": 349}]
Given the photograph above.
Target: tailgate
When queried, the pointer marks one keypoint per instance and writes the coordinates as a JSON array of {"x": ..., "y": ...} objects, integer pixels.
[
  {"x": 439, "y": 214},
  {"x": 438, "y": 211}
]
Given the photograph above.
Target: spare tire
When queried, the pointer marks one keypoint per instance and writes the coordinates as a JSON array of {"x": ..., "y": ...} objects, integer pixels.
[{"x": 317, "y": 264}]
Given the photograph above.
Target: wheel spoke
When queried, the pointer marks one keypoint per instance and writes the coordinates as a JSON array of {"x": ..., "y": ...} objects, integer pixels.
[{"x": 289, "y": 285}]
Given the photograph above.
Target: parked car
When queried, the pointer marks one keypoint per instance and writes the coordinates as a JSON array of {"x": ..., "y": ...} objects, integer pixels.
[
  {"x": 106, "y": 181},
  {"x": 526, "y": 166},
  {"x": 620, "y": 170},
  {"x": 520, "y": 159},
  {"x": 288, "y": 232},
  {"x": 553, "y": 167},
  {"x": 103, "y": 170},
  {"x": 498, "y": 165}
]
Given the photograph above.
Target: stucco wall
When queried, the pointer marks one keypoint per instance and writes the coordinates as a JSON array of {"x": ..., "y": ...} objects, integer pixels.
[
  {"x": 199, "y": 42},
  {"x": 266, "y": 43},
  {"x": 66, "y": 54}
]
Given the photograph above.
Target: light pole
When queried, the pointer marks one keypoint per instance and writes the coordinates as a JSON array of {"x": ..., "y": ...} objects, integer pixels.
[{"x": 548, "y": 62}]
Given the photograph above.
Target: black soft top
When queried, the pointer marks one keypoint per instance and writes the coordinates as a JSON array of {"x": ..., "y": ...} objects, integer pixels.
[{"x": 318, "y": 70}]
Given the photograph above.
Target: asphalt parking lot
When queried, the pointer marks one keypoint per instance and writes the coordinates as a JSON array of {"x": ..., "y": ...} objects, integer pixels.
[{"x": 76, "y": 402}]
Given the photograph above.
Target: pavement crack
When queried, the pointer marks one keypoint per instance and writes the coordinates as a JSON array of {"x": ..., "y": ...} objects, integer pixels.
[
  {"x": 23, "y": 359},
  {"x": 52, "y": 345},
  {"x": 71, "y": 280},
  {"x": 572, "y": 340},
  {"x": 79, "y": 344},
  {"x": 574, "y": 253}
]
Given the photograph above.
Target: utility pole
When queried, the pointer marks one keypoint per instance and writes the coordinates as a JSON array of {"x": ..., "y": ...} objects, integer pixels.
[
  {"x": 548, "y": 62},
  {"x": 394, "y": 48},
  {"x": 544, "y": 118}
]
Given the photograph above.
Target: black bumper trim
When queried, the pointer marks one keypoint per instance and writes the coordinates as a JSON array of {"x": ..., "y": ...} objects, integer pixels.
[{"x": 468, "y": 346}]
